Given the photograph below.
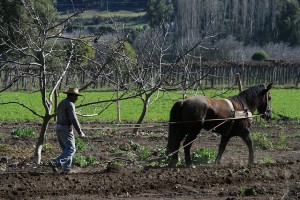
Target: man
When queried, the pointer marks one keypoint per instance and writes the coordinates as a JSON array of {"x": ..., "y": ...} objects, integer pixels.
[{"x": 66, "y": 118}]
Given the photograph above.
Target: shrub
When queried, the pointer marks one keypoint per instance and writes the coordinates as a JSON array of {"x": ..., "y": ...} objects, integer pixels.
[
  {"x": 23, "y": 132},
  {"x": 260, "y": 55},
  {"x": 203, "y": 156}
]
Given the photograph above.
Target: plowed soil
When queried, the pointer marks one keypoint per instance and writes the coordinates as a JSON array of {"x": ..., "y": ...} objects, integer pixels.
[{"x": 275, "y": 175}]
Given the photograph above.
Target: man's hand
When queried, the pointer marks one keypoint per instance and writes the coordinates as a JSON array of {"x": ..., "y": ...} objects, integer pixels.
[{"x": 82, "y": 135}]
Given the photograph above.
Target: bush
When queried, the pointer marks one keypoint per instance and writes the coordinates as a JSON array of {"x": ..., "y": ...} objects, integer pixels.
[{"x": 260, "y": 56}]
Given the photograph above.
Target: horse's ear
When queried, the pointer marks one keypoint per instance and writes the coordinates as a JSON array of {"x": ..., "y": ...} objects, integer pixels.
[{"x": 269, "y": 86}]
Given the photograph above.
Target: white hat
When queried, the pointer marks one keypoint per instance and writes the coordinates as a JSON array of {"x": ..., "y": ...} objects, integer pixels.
[{"x": 73, "y": 91}]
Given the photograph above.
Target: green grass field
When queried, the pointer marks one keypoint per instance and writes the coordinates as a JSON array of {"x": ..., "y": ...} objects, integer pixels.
[
  {"x": 284, "y": 102},
  {"x": 94, "y": 13}
]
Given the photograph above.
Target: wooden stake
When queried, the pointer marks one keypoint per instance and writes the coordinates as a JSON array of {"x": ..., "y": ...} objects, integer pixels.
[{"x": 238, "y": 81}]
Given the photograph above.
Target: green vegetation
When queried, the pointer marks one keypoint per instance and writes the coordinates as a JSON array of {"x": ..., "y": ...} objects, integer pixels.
[
  {"x": 95, "y": 13},
  {"x": 13, "y": 14},
  {"x": 247, "y": 191},
  {"x": 286, "y": 102},
  {"x": 260, "y": 56},
  {"x": 131, "y": 109},
  {"x": 4, "y": 147},
  {"x": 23, "y": 132},
  {"x": 263, "y": 142},
  {"x": 160, "y": 12},
  {"x": 84, "y": 161},
  {"x": 282, "y": 144},
  {"x": 1, "y": 136},
  {"x": 288, "y": 22},
  {"x": 267, "y": 160},
  {"x": 81, "y": 49},
  {"x": 142, "y": 152},
  {"x": 203, "y": 156},
  {"x": 47, "y": 148},
  {"x": 80, "y": 144}
]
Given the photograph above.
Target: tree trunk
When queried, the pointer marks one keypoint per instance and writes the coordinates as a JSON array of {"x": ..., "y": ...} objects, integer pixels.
[
  {"x": 143, "y": 114},
  {"x": 39, "y": 145}
]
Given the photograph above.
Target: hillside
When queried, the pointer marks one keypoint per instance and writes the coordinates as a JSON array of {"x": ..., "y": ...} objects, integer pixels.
[{"x": 108, "y": 5}]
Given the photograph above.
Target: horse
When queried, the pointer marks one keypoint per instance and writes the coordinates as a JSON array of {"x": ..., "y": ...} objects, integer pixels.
[{"x": 188, "y": 117}]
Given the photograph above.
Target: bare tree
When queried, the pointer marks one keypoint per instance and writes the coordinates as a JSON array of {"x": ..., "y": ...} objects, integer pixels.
[
  {"x": 48, "y": 56},
  {"x": 157, "y": 59}
]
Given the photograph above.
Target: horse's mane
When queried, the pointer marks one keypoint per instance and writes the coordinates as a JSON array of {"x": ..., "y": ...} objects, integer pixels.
[{"x": 249, "y": 98}]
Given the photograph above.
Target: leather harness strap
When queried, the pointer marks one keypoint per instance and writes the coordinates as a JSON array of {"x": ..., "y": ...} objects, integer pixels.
[
  {"x": 236, "y": 115},
  {"x": 232, "y": 115},
  {"x": 231, "y": 107}
]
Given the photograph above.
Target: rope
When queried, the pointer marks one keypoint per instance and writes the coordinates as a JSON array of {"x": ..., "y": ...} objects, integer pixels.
[
  {"x": 171, "y": 154},
  {"x": 161, "y": 124},
  {"x": 209, "y": 131}
]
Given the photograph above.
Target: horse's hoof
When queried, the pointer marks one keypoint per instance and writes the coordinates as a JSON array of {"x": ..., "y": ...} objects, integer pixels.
[
  {"x": 191, "y": 166},
  {"x": 172, "y": 164},
  {"x": 250, "y": 165}
]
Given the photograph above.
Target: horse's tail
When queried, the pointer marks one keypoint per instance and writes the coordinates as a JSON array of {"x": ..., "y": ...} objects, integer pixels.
[{"x": 174, "y": 125}]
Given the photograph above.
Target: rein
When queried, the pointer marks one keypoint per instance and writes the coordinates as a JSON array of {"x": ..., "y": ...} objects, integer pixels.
[
  {"x": 147, "y": 160},
  {"x": 209, "y": 131}
]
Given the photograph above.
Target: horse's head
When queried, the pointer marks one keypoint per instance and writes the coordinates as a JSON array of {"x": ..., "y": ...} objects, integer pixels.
[{"x": 265, "y": 106}]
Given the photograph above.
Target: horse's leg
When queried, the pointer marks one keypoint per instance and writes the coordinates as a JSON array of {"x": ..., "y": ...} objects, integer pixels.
[
  {"x": 174, "y": 157},
  {"x": 247, "y": 139},
  {"x": 187, "y": 147},
  {"x": 222, "y": 146},
  {"x": 174, "y": 150}
]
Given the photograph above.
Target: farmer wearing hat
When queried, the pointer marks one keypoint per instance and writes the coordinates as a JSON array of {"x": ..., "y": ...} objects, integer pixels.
[{"x": 66, "y": 118}]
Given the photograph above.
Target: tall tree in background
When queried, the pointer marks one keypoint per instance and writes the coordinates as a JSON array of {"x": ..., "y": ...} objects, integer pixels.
[
  {"x": 288, "y": 22},
  {"x": 13, "y": 14},
  {"x": 160, "y": 13},
  {"x": 249, "y": 21},
  {"x": 195, "y": 18}
]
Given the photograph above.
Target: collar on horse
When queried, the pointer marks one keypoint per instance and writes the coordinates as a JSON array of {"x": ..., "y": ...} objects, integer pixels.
[{"x": 238, "y": 114}]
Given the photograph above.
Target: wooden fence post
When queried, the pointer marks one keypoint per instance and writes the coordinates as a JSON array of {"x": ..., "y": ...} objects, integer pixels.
[{"x": 238, "y": 81}]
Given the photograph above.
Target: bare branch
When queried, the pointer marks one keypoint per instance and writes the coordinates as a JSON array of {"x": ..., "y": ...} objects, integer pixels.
[{"x": 24, "y": 106}]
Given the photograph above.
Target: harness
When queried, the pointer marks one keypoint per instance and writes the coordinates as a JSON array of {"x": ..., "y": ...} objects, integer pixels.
[{"x": 237, "y": 114}]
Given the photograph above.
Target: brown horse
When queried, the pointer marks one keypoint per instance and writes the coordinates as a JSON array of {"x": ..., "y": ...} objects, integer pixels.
[{"x": 189, "y": 116}]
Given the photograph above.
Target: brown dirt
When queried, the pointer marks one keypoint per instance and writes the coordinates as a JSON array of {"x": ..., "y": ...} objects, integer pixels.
[{"x": 20, "y": 178}]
